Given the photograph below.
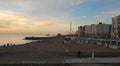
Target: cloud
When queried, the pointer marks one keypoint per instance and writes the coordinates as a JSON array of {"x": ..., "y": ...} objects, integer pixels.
[
  {"x": 113, "y": 12},
  {"x": 49, "y": 22},
  {"x": 53, "y": 4},
  {"x": 14, "y": 21},
  {"x": 11, "y": 19},
  {"x": 44, "y": 5},
  {"x": 57, "y": 9},
  {"x": 106, "y": 16},
  {"x": 84, "y": 17},
  {"x": 40, "y": 24},
  {"x": 37, "y": 14}
]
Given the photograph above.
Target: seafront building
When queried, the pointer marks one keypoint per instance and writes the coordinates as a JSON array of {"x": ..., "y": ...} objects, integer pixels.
[
  {"x": 115, "y": 27},
  {"x": 95, "y": 30},
  {"x": 106, "y": 35},
  {"x": 87, "y": 30},
  {"x": 103, "y": 30},
  {"x": 81, "y": 31}
]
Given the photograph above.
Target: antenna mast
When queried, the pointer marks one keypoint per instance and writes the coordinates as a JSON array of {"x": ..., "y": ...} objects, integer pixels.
[{"x": 70, "y": 27}]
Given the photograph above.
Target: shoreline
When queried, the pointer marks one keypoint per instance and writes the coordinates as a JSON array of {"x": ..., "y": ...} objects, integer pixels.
[{"x": 70, "y": 46}]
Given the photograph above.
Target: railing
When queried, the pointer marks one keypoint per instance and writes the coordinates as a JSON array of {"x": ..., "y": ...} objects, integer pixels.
[{"x": 62, "y": 64}]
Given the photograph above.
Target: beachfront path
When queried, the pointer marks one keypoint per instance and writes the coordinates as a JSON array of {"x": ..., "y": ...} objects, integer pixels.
[{"x": 46, "y": 51}]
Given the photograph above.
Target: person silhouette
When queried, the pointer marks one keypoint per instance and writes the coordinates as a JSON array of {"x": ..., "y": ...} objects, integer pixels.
[
  {"x": 4, "y": 45},
  {"x": 7, "y": 44},
  {"x": 79, "y": 53}
]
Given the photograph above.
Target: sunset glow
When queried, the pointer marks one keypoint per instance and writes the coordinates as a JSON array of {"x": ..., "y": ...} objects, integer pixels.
[{"x": 53, "y": 16}]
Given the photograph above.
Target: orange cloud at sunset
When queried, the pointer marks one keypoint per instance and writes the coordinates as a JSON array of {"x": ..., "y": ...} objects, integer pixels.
[{"x": 15, "y": 23}]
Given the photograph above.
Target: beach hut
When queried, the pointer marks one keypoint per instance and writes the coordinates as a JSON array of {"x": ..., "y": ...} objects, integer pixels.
[
  {"x": 98, "y": 42},
  {"x": 118, "y": 44},
  {"x": 103, "y": 43},
  {"x": 67, "y": 40},
  {"x": 95, "y": 42},
  {"x": 107, "y": 43}
]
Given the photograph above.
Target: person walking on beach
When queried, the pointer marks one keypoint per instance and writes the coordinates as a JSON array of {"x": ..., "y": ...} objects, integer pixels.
[
  {"x": 4, "y": 45},
  {"x": 8, "y": 44},
  {"x": 79, "y": 53},
  {"x": 38, "y": 41},
  {"x": 14, "y": 44}
]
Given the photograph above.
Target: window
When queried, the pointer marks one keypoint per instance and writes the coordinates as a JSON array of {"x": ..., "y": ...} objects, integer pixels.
[
  {"x": 118, "y": 43},
  {"x": 113, "y": 43}
]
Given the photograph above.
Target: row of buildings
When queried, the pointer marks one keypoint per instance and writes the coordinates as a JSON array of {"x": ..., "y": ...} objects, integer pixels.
[{"x": 101, "y": 30}]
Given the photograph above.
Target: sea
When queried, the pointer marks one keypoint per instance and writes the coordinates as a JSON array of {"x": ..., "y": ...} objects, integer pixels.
[{"x": 16, "y": 39}]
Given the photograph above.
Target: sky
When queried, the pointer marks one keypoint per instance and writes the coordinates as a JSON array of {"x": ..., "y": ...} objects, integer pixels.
[{"x": 54, "y": 16}]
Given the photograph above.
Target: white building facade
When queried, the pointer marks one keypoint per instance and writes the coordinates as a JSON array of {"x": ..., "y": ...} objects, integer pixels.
[
  {"x": 96, "y": 30},
  {"x": 116, "y": 27}
]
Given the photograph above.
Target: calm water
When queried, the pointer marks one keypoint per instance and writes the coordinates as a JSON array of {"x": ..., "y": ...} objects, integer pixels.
[{"x": 17, "y": 39}]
